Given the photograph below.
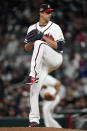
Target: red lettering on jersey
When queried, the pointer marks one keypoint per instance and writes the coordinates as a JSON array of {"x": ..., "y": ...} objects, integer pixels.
[{"x": 49, "y": 36}]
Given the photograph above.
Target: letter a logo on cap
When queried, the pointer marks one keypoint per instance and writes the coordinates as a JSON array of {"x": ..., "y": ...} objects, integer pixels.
[{"x": 41, "y": 9}]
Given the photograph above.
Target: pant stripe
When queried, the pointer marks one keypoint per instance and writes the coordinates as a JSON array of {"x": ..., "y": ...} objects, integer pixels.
[{"x": 37, "y": 56}]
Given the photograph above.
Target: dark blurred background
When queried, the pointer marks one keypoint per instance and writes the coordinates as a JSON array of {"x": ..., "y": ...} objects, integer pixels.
[{"x": 15, "y": 18}]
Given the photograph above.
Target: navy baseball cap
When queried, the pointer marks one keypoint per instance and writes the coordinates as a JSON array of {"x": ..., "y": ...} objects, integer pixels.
[{"x": 45, "y": 8}]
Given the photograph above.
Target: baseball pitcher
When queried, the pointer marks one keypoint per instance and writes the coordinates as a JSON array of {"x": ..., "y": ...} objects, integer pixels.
[{"x": 47, "y": 39}]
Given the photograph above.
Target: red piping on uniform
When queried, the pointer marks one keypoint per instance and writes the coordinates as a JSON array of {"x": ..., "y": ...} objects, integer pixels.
[
  {"x": 37, "y": 56},
  {"x": 47, "y": 28}
]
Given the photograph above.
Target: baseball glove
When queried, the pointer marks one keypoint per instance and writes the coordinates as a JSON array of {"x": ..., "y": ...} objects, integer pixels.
[
  {"x": 33, "y": 35},
  {"x": 48, "y": 97}
]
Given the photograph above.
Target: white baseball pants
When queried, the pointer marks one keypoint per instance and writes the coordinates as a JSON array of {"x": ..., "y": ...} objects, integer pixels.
[{"x": 44, "y": 60}]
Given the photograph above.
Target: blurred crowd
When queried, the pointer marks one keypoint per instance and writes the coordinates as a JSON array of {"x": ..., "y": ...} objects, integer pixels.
[{"x": 15, "y": 18}]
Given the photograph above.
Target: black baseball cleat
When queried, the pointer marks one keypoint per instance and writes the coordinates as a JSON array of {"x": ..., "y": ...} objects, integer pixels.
[
  {"x": 33, "y": 124},
  {"x": 30, "y": 80}
]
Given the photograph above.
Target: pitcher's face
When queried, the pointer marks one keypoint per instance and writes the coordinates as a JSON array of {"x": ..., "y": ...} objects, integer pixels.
[{"x": 45, "y": 16}]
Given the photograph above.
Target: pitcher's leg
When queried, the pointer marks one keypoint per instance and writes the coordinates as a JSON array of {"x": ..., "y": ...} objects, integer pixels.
[
  {"x": 37, "y": 57},
  {"x": 42, "y": 51},
  {"x": 34, "y": 94},
  {"x": 34, "y": 104}
]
